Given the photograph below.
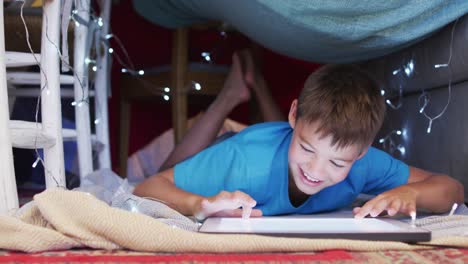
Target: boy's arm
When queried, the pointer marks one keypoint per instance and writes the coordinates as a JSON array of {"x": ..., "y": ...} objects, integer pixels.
[
  {"x": 434, "y": 192},
  {"x": 161, "y": 186}
]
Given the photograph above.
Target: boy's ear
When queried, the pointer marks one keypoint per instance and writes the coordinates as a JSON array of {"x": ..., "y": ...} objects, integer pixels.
[{"x": 292, "y": 113}]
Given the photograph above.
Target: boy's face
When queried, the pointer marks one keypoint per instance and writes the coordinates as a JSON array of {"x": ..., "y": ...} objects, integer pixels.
[{"x": 314, "y": 163}]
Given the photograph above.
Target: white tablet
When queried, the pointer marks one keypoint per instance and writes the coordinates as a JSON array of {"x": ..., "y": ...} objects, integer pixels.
[{"x": 339, "y": 228}]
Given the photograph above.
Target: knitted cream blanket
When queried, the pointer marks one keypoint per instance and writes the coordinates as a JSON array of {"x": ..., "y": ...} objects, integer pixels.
[{"x": 61, "y": 219}]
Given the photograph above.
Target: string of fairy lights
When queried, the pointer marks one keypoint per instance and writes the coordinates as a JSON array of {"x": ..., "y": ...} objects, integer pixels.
[
  {"x": 95, "y": 23},
  {"x": 389, "y": 141}
]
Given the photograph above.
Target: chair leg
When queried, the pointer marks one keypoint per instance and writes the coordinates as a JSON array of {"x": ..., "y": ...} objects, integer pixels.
[
  {"x": 179, "y": 83},
  {"x": 8, "y": 192},
  {"x": 124, "y": 136}
]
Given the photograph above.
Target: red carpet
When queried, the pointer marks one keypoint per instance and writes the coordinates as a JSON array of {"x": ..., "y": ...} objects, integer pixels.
[{"x": 445, "y": 255}]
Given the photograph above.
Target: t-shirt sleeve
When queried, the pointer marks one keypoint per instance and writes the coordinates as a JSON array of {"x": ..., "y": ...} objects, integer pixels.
[
  {"x": 384, "y": 172},
  {"x": 208, "y": 172}
]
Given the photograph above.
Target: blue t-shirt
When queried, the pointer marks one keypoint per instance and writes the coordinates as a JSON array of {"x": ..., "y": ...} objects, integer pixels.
[{"x": 255, "y": 161}]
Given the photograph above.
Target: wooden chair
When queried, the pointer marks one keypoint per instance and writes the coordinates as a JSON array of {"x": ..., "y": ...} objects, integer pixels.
[{"x": 179, "y": 78}]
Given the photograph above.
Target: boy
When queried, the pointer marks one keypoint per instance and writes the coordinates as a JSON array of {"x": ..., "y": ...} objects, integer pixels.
[{"x": 318, "y": 161}]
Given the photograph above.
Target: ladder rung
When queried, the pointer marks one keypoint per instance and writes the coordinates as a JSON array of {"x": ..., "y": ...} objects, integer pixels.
[
  {"x": 20, "y": 59},
  {"x": 29, "y": 135},
  {"x": 34, "y": 78}
]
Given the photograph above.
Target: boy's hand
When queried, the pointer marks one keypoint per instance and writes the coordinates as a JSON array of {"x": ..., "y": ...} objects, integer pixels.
[
  {"x": 227, "y": 204},
  {"x": 401, "y": 199}
]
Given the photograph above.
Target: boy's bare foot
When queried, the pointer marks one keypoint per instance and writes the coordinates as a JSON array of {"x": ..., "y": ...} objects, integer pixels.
[
  {"x": 235, "y": 90},
  {"x": 252, "y": 75}
]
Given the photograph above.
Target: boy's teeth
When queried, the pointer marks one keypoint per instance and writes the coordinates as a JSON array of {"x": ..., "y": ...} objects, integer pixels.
[{"x": 310, "y": 178}]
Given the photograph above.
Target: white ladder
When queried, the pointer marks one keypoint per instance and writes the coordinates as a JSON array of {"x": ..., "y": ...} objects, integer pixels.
[{"x": 49, "y": 134}]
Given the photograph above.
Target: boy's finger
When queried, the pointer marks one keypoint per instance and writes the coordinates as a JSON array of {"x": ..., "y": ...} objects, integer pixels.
[
  {"x": 365, "y": 209},
  {"x": 394, "y": 207},
  {"x": 244, "y": 199},
  {"x": 246, "y": 211},
  {"x": 378, "y": 208}
]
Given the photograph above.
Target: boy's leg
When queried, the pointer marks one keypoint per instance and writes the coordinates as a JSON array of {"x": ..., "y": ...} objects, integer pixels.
[
  {"x": 205, "y": 129},
  {"x": 268, "y": 108}
]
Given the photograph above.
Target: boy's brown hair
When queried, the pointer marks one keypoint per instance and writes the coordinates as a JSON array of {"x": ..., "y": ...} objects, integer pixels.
[{"x": 346, "y": 101}]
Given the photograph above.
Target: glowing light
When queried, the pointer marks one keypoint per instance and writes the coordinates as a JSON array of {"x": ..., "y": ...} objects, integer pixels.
[
  {"x": 429, "y": 127},
  {"x": 395, "y": 72},
  {"x": 124, "y": 70},
  {"x": 409, "y": 68},
  {"x": 36, "y": 162},
  {"x": 440, "y": 65},
  {"x": 111, "y": 50},
  {"x": 97, "y": 121},
  {"x": 141, "y": 72},
  {"x": 402, "y": 149},
  {"x": 206, "y": 56},
  {"x": 167, "y": 89},
  {"x": 197, "y": 86},
  {"x": 108, "y": 36},
  {"x": 73, "y": 103},
  {"x": 382, "y": 92},
  {"x": 94, "y": 68},
  {"x": 166, "y": 97},
  {"x": 100, "y": 23}
]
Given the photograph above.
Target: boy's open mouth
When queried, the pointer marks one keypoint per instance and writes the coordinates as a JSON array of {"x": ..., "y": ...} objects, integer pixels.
[{"x": 309, "y": 180}]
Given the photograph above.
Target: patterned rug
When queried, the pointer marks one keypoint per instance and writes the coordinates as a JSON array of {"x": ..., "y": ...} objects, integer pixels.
[{"x": 442, "y": 255}]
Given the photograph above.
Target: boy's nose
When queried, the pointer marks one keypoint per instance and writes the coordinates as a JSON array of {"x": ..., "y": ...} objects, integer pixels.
[{"x": 314, "y": 168}]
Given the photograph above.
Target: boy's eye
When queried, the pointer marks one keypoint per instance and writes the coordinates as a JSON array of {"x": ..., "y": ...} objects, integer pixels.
[
  {"x": 336, "y": 165},
  {"x": 306, "y": 149}
]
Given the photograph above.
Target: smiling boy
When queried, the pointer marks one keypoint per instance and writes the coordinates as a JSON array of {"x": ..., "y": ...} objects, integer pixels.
[{"x": 320, "y": 160}]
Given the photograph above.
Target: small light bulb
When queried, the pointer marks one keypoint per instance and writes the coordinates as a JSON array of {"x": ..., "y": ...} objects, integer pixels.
[
  {"x": 108, "y": 36},
  {"x": 398, "y": 132},
  {"x": 77, "y": 24},
  {"x": 429, "y": 126},
  {"x": 382, "y": 140},
  {"x": 80, "y": 103},
  {"x": 111, "y": 50},
  {"x": 440, "y": 65},
  {"x": 197, "y": 86},
  {"x": 208, "y": 58},
  {"x": 382, "y": 92},
  {"x": 402, "y": 149},
  {"x": 124, "y": 70},
  {"x": 396, "y": 71},
  {"x": 35, "y": 163},
  {"x": 94, "y": 68},
  {"x": 166, "y": 97},
  {"x": 100, "y": 23},
  {"x": 73, "y": 103},
  {"x": 167, "y": 89},
  {"x": 141, "y": 72},
  {"x": 96, "y": 121},
  {"x": 87, "y": 61}
]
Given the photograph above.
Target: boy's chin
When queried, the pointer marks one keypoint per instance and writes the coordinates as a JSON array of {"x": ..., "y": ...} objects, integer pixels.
[{"x": 307, "y": 190}]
